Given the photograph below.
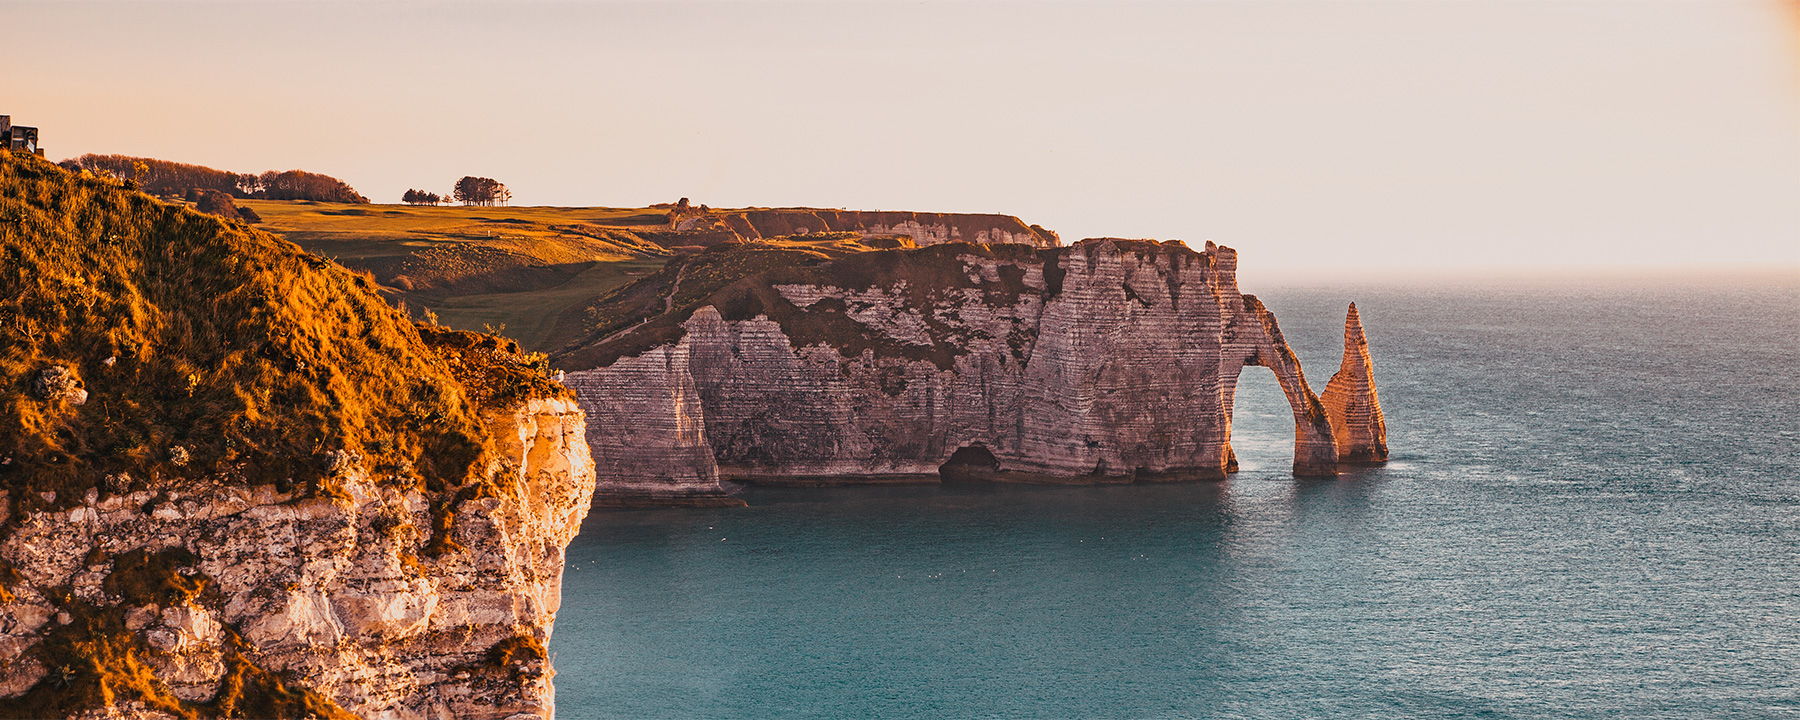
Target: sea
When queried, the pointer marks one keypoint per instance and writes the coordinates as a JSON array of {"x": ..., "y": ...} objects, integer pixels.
[{"x": 1592, "y": 511}]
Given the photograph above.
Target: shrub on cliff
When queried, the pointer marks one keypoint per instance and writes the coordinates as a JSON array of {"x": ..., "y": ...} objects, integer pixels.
[{"x": 215, "y": 203}]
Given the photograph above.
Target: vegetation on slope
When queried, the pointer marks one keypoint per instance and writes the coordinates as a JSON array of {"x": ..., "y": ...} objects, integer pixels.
[
  {"x": 740, "y": 281},
  {"x": 538, "y": 273},
  {"x": 173, "y": 179},
  {"x": 521, "y": 269},
  {"x": 205, "y": 347}
]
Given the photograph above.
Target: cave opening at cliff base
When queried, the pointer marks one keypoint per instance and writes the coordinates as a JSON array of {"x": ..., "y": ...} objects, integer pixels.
[{"x": 972, "y": 462}]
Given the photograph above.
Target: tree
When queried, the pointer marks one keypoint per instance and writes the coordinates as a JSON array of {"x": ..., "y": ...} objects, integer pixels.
[
  {"x": 302, "y": 185},
  {"x": 157, "y": 177},
  {"x": 173, "y": 179},
  {"x": 472, "y": 190}
]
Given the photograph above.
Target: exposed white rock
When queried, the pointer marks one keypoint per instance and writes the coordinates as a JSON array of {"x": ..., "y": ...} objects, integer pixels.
[
  {"x": 1108, "y": 361},
  {"x": 1351, "y": 400},
  {"x": 334, "y": 594}
]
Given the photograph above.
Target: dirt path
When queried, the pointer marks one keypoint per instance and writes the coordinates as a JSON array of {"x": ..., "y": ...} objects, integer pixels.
[
  {"x": 669, "y": 302},
  {"x": 668, "y": 306}
]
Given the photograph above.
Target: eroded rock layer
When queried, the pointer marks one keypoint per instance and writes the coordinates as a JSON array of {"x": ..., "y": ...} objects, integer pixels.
[
  {"x": 1351, "y": 402},
  {"x": 1108, "y": 361},
  {"x": 335, "y": 594},
  {"x": 653, "y": 449}
]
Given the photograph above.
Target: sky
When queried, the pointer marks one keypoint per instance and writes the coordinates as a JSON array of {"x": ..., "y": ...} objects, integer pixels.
[{"x": 1347, "y": 138}]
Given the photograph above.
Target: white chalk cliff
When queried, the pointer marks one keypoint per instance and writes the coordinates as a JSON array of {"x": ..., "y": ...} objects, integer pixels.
[{"x": 1104, "y": 362}]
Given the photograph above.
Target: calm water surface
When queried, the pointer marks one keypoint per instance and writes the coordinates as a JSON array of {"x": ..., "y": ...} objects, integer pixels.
[{"x": 1593, "y": 511}]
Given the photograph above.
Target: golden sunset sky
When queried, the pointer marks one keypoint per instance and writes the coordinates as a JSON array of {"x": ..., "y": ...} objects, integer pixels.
[{"x": 1362, "y": 136}]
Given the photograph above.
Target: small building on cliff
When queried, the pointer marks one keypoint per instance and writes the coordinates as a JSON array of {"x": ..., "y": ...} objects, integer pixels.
[{"x": 19, "y": 137}]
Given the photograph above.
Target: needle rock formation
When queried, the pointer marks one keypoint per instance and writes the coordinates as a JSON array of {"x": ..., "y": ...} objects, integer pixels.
[{"x": 1350, "y": 400}]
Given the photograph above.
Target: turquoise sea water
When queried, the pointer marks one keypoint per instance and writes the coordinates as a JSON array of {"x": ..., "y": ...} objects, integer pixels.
[{"x": 1593, "y": 511}]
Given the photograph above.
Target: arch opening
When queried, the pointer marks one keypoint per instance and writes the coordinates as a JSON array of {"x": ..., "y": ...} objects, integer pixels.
[{"x": 1261, "y": 436}]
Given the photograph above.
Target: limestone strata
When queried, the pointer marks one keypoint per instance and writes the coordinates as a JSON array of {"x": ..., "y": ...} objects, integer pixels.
[
  {"x": 333, "y": 594},
  {"x": 648, "y": 441},
  {"x": 922, "y": 228},
  {"x": 1351, "y": 402},
  {"x": 1107, "y": 361}
]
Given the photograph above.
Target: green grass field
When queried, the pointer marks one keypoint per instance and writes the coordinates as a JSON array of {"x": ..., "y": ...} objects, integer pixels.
[
  {"x": 518, "y": 270},
  {"x": 529, "y": 273}
]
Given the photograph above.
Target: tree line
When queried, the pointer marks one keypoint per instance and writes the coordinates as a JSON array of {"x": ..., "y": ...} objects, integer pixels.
[
  {"x": 171, "y": 179},
  {"x": 470, "y": 190}
]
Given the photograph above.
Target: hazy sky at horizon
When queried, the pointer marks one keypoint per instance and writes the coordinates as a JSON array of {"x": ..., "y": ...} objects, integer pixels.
[{"x": 1363, "y": 135}]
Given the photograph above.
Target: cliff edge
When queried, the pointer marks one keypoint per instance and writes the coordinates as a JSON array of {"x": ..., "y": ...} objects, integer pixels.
[{"x": 235, "y": 483}]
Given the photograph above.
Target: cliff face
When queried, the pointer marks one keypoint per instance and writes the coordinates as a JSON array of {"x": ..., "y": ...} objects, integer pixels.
[
  {"x": 200, "y": 581},
  {"x": 652, "y": 450},
  {"x": 1108, "y": 361},
  {"x": 922, "y": 228},
  {"x": 235, "y": 483},
  {"x": 1352, "y": 403}
]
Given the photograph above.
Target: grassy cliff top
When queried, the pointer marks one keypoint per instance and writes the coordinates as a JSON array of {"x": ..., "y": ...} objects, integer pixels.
[
  {"x": 533, "y": 273},
  {"x": 205, "y": 347},
  {"x": 741, "y": 280}
]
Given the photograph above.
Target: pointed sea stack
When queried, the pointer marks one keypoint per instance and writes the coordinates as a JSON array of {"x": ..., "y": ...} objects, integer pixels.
[{"x": 1350, "y": 400}]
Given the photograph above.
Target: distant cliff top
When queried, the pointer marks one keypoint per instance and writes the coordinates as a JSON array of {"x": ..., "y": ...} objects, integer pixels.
[
  {"x": 740, "y": 279},
  {"x": 141, "y": 341},
  {"x": 531, "y": 272},
  {"x": 921, "y": 228}
]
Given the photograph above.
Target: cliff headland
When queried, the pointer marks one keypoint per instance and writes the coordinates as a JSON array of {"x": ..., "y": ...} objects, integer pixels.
[{"x": 1108, "y": 361}]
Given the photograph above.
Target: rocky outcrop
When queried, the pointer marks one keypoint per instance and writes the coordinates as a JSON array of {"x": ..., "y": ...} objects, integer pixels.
[
  {"x": 59, "y": 383},
  {"x": 922, "y": 228},
  {"x": 1109, "y": 361},
  {"x": 207, "y": 582},
  {"x": 1351, "y": 402}
]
